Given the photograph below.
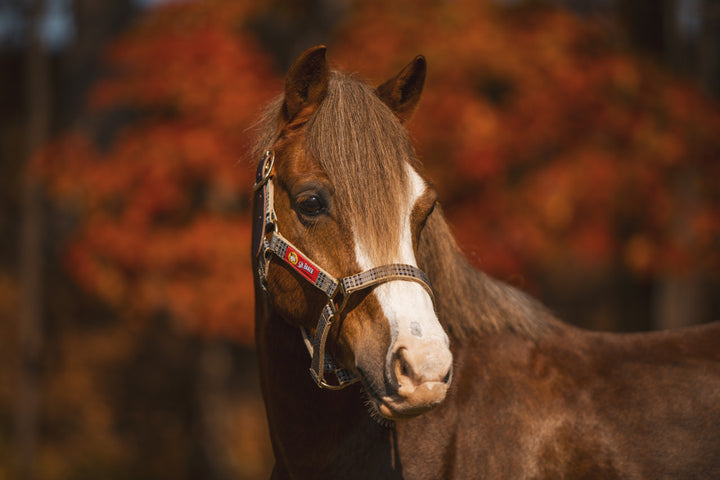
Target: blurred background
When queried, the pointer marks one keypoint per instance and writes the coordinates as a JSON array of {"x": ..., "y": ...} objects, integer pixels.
[{"x": 575, "y": 145}]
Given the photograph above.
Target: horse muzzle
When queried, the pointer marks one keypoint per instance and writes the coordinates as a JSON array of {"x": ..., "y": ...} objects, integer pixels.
[{"x": 419, "y": 375}]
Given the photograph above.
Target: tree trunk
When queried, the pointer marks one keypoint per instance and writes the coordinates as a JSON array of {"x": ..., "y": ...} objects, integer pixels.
[
  {"x": 709, "y": 47},
  {"x": 693, "y": 41},
  {"x": 680, "y": 301},
  {"x": 30, "y": 325}
]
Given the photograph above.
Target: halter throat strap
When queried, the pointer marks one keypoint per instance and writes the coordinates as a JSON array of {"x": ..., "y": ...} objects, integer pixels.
[{"x": 268, "y": 243}]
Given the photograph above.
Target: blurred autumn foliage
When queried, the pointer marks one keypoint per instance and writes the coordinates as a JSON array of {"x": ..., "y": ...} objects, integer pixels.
[
  {"x": 550, "y": 145},
  {"x": 163, "y": 221},
  {"x": 565, "y": 160},
  {"x": 548, "y": 141}
]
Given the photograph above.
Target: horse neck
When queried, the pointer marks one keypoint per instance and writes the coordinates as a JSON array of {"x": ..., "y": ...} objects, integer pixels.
[
  {"x": 469, "y": 302},
  {"x": 312, "y": 430},
  {"x": 284, "y": 362}
]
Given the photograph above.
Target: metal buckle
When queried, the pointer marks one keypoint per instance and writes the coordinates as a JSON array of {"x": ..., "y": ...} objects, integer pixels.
[
  {"x": 268, "y": 162},
  {"x": 263, "y": 261},
  {"x": 344, "y": 297}
]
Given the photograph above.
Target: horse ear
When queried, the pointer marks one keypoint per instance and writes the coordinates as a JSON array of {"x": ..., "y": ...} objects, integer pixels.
[
  {"x": 307, "y": 81},
  {"x": 402, "y": 92}
]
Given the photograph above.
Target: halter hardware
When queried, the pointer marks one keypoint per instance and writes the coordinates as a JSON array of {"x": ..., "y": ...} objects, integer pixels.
[
  {"x": 265, "y": 169},
  {"x": 269, "y": 243}
]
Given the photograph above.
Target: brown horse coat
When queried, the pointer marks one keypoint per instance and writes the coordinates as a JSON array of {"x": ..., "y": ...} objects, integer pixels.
[{"x": 531, "y": 397}]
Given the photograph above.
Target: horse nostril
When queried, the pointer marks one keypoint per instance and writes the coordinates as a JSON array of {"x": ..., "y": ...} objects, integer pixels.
[
  {"x": 417, "y": 365},
  {"x": 403, "y": 370},
  {"x": 448, "y": 376}
]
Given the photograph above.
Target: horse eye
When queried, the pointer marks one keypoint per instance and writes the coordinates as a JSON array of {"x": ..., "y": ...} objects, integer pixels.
[{"x": 311, "y": 205}]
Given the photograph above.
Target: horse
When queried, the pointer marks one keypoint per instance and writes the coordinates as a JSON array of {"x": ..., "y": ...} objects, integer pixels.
[{"x": 384, "y": 354}]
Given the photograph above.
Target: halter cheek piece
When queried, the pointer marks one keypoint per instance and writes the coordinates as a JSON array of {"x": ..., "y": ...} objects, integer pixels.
[{"x": 269, "y": 243}]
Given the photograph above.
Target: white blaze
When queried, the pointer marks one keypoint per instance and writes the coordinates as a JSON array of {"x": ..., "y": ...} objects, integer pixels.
[{"x": 406, "y": 304}]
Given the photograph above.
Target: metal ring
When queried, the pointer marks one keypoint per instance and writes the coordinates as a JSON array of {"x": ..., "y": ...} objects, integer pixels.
[{"x": 268, "y": 162}]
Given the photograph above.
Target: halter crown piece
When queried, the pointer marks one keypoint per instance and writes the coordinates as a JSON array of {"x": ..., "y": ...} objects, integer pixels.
[{"x": 268, "y": 243}]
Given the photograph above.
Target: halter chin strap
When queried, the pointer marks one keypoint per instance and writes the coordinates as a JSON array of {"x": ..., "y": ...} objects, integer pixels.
[{"x": 269, "y": 243}]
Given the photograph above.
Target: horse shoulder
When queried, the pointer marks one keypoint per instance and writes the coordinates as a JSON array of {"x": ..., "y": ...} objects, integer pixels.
[
  {"x": 575, "y": 404},
  {"x": 647, "y": 403}
]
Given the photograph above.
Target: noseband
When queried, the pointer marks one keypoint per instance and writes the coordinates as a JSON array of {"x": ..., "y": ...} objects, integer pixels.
[{"x": 269, "y": 243}]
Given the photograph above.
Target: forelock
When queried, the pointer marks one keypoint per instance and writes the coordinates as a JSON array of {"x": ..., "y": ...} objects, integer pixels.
[{"x": 363, "y": 148}]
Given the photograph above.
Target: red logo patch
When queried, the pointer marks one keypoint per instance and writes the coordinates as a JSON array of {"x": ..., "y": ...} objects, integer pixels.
[{"x": 305, "y": 267}]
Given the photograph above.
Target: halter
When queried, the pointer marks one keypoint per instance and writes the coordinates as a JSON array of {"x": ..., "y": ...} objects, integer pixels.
[{"x": 269, "y": 243}]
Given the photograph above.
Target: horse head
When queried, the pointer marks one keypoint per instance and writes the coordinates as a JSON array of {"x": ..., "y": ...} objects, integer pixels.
[{"x": 348, "y": 197}]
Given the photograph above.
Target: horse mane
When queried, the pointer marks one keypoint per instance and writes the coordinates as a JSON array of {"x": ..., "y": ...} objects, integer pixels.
[
  {"x": 470, "y": 303},
  {"x": 352, "y": 133},
  {"x": 362, "y": 147}
]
